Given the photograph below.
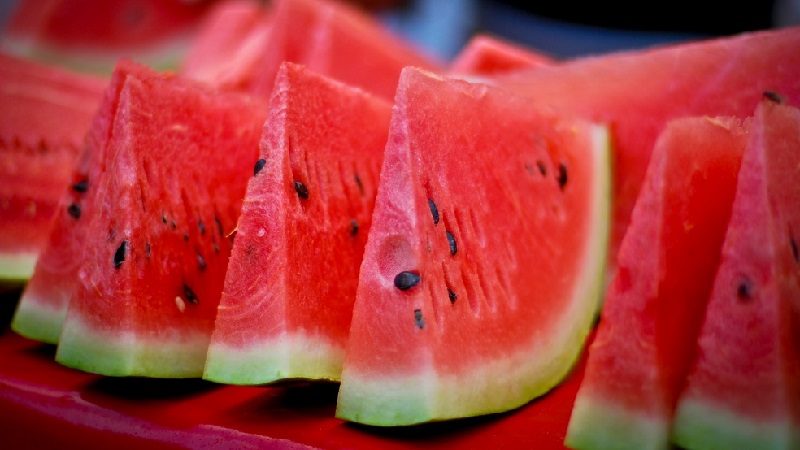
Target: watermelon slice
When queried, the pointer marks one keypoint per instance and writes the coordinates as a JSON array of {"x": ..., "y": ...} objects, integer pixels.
[
  {"x": 653, "y": 308},
  {"x": 175, "y": 168},
  {"x": 45, "y": 113},
  {"x": 489, "y": 55},
  {"x": 637, "y": 92},
  {"x": 744, "y": 388},
  {"x": 483, "y": 268},
  {"x": 290, "y": 288},
  {"x": 228, "y": 44},
  {"x": 91, "y": 35},
  {"x": 335, "y": 39}
]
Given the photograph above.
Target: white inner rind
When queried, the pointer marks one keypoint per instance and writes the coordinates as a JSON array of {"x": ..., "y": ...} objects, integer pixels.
[
  {"x": 36, "y": 319},
  {"x": 17, "y": 267},
  {"x": 498, "y": 384},
  {"x": 702, "y": 425},
  {"x": 173, "y": 355},
  {"x": 287, "y": 356},
  {"x": 602, "y": 424}
]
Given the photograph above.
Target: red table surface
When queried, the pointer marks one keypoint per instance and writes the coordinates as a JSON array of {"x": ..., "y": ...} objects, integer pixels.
[{"x": 46, "y": 405}]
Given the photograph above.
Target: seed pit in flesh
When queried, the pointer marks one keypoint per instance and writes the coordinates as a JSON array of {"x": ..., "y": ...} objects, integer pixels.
[
  {"x": 744, "y": 291},
  {"x": 119, "y": 255},
  {"x": 418, "y": 320},
  {"x": 562, "y": 176},
  {"x": 773, "y": 96},
  {"x": 301, "y": 189}
]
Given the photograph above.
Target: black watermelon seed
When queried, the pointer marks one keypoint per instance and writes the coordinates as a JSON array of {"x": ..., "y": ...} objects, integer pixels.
[
  {"x": 359, "y": 183},
  {"x": 542, "y": 168},
  {"x": 219, "y": 226},
  {"x": 418, "y": 320},
  {"x": 452, "y": 296},
  {"x": 562, "y": 176},
  {"x": 745, "y": 289},
  {"x": 201, "y": 262},
  {"x": 190, "y": 295},
  {"x": 147, "y": 250},
  {"x": 185, "y": 237},
  {"x": 259, "y": 165},
  {"x": 119, "y": 255},
  {"x": 201, "y": 227},
  {"x": 452, "y": 240},
  {"x": 164, "y": 218},
  {"x": 406, "y": 280},
  {"x": 74, "y": 211},
  {"x": 795, "y": 250},
  {"x": 301, "y": 189},
  {"x": 81, "y": 186},
  {"x": 773, "y": 96},
  {"x": 434, "y": 211},
  {"x": 353, "y": 227}
]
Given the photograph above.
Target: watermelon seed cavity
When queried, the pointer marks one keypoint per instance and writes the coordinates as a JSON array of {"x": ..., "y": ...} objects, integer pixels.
[
  {"x": 185, "y": 237},
  {"x": 301, "y": 189},
  {"x": 119, "y": 255},
  {"x": 542, "y": 168},
  {"x": 201, "y": 262},
  {"x": 353, "y": 227},
  {"x": 74, "y": 211},
  {"x": 418, "y": 319},
  {"x": 190, "y": 295},
  {"x": 452, "y": 240},
  {"x": 434, "y": 211},
  {"x": 81, "y": 186},
  {"x": 219, "y": 226},
  {"x": 452, "y": 295},
  {"x": 259, "y": 165},
  {"x": 772, "y": 96},
  {"x": 147, "y": 250},
  {"x": 201, "y": 227},
  {"x": 406, "y": 280},
  {"x": 795, "y": 252},
  {"x": 359, "y": 183},
  {"x": 562, "y": 176},
  {"x": 745, "y": 289}
]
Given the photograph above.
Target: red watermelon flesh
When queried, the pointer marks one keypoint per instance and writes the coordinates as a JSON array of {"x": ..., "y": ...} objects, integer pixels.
[
  {"x": 92, "y": 35},
  {"x": 226, "y": 48},
  {"x": 336, "y": 40},
  {"x": 653, "y": 308},
  {"x": 744, "y": 388},
  {"x": 44, "y": 115},
  {"x": 489, "y": 55},
  {"x": 482, "y": 271},
  {"x": 637, "y": 92},
  {"x": 176, "y": 164},
  {"x": 291, "y": 282}
]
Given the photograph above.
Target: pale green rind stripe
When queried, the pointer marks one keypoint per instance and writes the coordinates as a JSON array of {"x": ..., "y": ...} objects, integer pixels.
[
  {"x": 17, "y": 267},
  {"x": 499, "y": 384},
  {"x": 125, "y": 354},
  {"x": 289, "y": 356},
  {"x": 600, "y": 424},
  {"x": 37, "y": 321},
  {"x": 700, "y": 426}
]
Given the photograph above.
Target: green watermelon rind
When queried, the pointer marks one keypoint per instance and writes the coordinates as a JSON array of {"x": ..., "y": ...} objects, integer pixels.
[
  {"x": 126, "y": 354},
  {"x": 599, "y": 424},
  {"x": 412, "y": 399},
  {"x": 699, "y": 424},
  {"x": 36, "y": 321},
  {"x": 17, "y": 267},
  {"x": 289, "y": 356}
]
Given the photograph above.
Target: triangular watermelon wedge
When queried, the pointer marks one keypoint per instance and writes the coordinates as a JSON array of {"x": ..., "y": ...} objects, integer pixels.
[
  {"x": 636, "y": 92},
  {"x": 486, "y": 54},
  {"x": 483, "y": 269},
  {"x": 744, "y": 388},
  {"x": 289, "y": 291},
  {"x": 167, "y": 174},
  {"x": 45, "y": 113},
  {"x": 653, "y": 308}
]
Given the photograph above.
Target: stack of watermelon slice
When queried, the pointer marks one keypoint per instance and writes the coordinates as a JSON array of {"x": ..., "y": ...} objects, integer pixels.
[{"x": 274, "y": 212}]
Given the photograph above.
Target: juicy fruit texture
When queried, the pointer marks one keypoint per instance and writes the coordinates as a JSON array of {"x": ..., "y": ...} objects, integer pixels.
[
  {"x": 155, "y": 245},
  {"x": 637, "y": 92},
  {"x": 336, "y": 40},
  {"x": 748, "y": 396},
  {"x": 653, "y": 308},
  {"x": 291, "y": 283},
  {"x": 484, "y": 264},
  {"x": 44, "y": 115},
  {"x": 92, "y": 34},
  {"x": 488, "y": 55},
  {"x": 228, "y": 44}
]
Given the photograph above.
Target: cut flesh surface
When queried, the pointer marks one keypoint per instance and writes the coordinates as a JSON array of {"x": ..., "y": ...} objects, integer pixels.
[{"x": 483, "y": 267}]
